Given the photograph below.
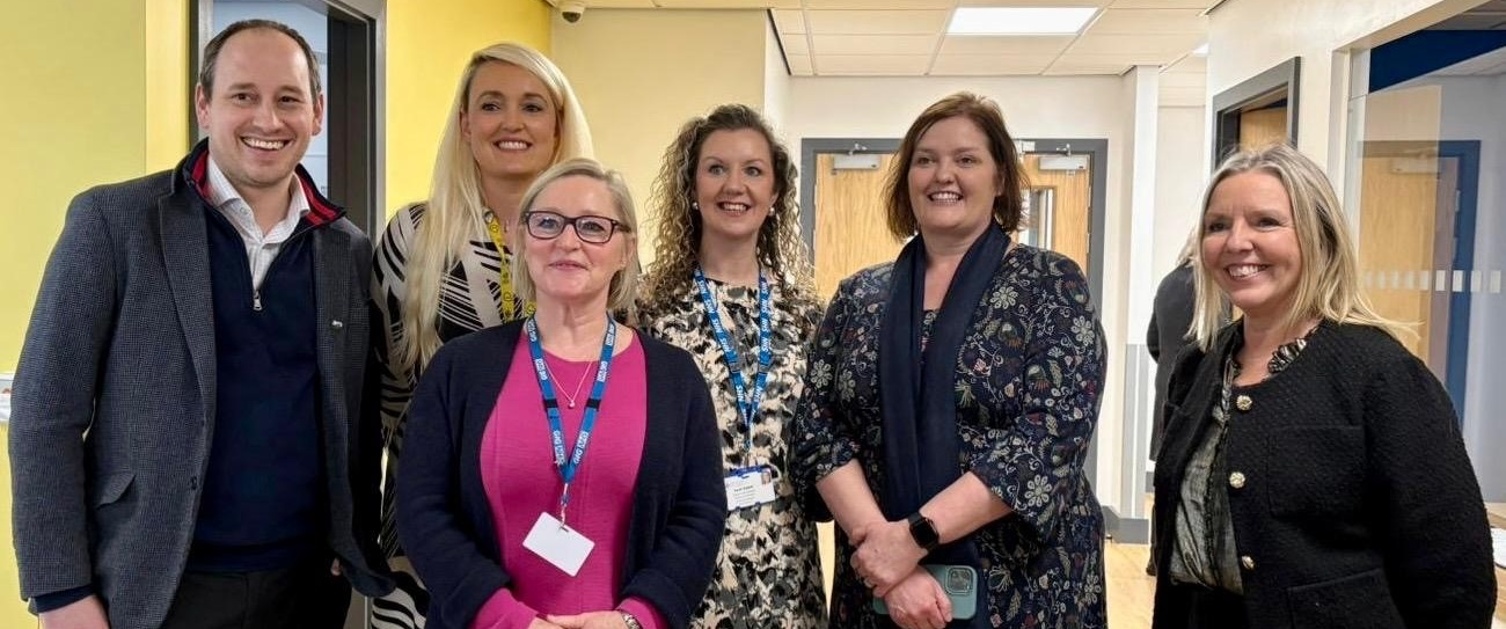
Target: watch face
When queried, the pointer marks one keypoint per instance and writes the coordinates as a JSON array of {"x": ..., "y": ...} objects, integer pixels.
[{"x": 923, "y": 531}]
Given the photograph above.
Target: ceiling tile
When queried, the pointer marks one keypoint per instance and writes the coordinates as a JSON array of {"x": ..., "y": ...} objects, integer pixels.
[
  {"x": 1164, "y": 48},
  {"x": 794, "y": 45},
  {"x": 874, "y": 44},
  {"x": 789, "y": 21},
  {"x": 976, "y": 45},
  {"x": 1123, "y": 59},
  {"x": 800, "y": 65},
  {"x": 990, "y": 65},
  {"x": 1190, "y": 64},
  {"x": 720, "y": 4},
  {"x": 871, "y": 5},
  {"x": 877, "y": 22},
  {"x": 1117, "y": 21},
  {"x": 1065, "y": 68},
  {"x": 1201, "y": 5},
  {"x": 1033, "y": 3},
  {"x": 910, "y": 65},
  {"x": 621, "y": 4}
]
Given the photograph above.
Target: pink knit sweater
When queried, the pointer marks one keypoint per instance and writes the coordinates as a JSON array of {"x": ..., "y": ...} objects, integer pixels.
[{"x": 522, "y": 482}]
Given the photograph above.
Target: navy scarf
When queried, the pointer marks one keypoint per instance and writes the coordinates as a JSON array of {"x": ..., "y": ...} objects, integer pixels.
[{"x": 919, "y": 407}]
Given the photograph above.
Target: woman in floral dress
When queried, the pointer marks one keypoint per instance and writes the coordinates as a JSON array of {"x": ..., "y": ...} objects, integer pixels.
[{"x": 949, "y": 403}]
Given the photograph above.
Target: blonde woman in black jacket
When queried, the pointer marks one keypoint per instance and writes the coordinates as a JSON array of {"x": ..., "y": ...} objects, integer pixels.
[{"x": 1312, "y": 473}]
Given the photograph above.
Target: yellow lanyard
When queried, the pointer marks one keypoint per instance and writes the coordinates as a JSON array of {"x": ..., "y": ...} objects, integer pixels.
[{"x": 509, "y": 295}]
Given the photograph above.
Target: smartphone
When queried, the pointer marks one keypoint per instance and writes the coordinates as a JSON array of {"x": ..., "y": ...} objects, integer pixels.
[{"x": 960, "y": 584}]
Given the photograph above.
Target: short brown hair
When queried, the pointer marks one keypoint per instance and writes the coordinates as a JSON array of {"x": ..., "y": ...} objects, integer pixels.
[
  {"x": 984, "y": 112},
  {"x": 215, "y": 45}
]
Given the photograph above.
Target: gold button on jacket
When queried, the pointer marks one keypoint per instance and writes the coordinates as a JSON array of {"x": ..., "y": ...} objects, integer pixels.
[
  {"x": 1243, "y": 403},
  {"x": 1237, "y": 480},
  {"x": 1247, "y": 562}
]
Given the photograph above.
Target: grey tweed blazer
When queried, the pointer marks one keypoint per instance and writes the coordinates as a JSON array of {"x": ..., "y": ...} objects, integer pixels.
[{"x": 113, "y": 406}]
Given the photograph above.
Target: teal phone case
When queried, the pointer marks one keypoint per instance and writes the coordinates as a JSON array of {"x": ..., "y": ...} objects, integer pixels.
[{"x": 960, "y": 584}]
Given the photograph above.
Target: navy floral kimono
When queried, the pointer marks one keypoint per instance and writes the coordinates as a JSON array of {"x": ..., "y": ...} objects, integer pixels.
[{"x": 1028, "y": 378}]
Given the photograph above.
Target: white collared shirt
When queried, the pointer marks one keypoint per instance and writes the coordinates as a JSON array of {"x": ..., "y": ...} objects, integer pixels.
[{"x": 261, "y": 248}]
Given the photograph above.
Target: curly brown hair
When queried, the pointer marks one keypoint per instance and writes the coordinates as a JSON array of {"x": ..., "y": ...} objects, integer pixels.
[{"x": 677, "y": 245}]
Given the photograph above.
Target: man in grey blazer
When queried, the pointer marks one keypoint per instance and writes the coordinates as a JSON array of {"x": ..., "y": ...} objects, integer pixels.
[{"x": 188, "y": 442}]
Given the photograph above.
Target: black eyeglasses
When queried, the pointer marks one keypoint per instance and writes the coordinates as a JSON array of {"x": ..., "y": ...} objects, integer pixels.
[{"x": 596, "y": 230}]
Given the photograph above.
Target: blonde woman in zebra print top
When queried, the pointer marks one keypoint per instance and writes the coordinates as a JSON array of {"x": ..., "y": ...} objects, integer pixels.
[{"x": 442, "y": 266}]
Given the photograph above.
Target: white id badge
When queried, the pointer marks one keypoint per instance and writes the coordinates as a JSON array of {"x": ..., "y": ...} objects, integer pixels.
[
  {"x": 558, "y": 544},
  {"x": 749, "y": 487}
]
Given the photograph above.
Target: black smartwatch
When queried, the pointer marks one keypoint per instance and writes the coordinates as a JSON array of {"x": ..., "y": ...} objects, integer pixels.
[{"x": 924, "y": 531}]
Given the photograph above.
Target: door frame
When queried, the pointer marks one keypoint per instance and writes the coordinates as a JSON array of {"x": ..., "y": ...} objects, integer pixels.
[
  {"x": 1255, "y": 92},
  {"x": 1096, "y": 148}
]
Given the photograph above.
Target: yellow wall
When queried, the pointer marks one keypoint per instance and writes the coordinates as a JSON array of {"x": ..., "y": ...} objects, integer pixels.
[
  {"x": 80, "y": 110},
  {"x": 428, "y": 45},
  {"x": 98, "y": 92},
  {"x": 642, "y": 74},
  {"x": 89, "y": 101}
]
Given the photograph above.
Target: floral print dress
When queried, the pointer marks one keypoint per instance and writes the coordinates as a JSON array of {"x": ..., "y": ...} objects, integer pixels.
[
  {"x": 768, "y": 572},
  {"x": 1029, "y": 374}
]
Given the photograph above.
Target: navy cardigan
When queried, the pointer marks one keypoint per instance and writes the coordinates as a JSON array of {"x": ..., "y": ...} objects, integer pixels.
[{"x": 444, "y": 520}]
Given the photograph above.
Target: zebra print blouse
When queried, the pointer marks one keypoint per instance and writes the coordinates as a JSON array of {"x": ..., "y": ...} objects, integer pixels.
[{"x": 470, "y": 299}]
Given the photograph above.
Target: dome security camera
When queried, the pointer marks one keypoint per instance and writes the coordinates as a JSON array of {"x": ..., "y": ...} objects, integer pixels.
[{"x": 571, "y": 10}]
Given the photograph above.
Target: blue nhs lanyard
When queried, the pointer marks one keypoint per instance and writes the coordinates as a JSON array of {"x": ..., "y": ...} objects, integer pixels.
[
  {"x": 568, "y": 468},
  {"x": 747, "y": 403}
]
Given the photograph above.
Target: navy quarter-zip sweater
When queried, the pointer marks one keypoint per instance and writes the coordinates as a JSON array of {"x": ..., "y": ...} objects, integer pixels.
[{"x": 263, "y": 504}]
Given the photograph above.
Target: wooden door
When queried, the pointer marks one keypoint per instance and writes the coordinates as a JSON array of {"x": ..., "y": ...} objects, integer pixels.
[
  {"x": 851, "y": 231},
  {"x": 1072, "y": 214},
  {"x": 1262, "y": 127},
  {"x": 1397, "y": 224}
]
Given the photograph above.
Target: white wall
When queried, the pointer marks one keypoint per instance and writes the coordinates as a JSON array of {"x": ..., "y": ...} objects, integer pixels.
[
  {"x": 776, "y": 81},
  {"x": 1180, "y": 178}
]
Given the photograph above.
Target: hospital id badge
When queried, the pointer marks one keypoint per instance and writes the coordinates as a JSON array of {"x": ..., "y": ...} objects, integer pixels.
[
  {"x": 749, "y": 487},
  {"x": 561, "y": 546}
]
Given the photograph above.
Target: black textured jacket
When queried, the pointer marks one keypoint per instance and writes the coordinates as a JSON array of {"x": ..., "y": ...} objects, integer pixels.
[{"x": 1354, "y": 503}]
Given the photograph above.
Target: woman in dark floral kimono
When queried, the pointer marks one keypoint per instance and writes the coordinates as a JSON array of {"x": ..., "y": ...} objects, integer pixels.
[{"x": 949, "y": 403}]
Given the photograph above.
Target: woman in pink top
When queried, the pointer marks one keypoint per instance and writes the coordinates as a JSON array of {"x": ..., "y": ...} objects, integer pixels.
[{"x": 562, "y": 471}]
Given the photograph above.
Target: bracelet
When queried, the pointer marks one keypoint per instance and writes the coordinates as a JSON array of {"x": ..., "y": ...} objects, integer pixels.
[{"x": 630, "y": 620}]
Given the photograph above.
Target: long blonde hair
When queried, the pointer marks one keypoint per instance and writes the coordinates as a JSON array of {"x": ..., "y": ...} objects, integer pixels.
[
  {"x": 455, "y": 210},
  {"x": 1329, "y": 287},
  {"x": 624, "y": 287},
  {"x": 677, "y": 245}
]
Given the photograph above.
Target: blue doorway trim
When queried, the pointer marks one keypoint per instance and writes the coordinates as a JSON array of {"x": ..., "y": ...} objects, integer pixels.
[{"x": 1468, "y": 154}]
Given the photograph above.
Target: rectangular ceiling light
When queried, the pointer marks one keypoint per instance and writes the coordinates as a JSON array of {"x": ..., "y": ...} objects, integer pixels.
[{"x": 1019, "y": 21}]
